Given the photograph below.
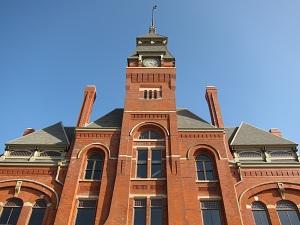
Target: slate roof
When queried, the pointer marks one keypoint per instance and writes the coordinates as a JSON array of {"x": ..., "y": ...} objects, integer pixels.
[
  {"x": 112, "y": 119},
  {"x": 244, "y": 135},
  {"x": 156, "y": 48},
  {"x": 250, "y": 135},
  {"x": 188, "y": 120},
  {"x": 52, "y": 135},
  {"x": 230, "y": 132}
]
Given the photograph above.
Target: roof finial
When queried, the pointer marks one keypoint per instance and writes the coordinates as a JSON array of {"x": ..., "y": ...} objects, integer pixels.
[{"x": 152, "y": 28}]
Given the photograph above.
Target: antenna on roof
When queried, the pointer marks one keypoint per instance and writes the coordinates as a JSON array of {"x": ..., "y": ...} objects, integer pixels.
[{"x": 152, "y": 28}]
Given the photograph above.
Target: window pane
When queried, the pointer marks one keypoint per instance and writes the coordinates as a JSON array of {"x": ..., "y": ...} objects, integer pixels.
[
  {"x": 216, "y": 217},
  {"x": 139, "y": 216},
  {"x": 90, "y": 164},
  {"x": 156, "y": 170},
  {"x": 293, "y": 216},
  {"x": 88, "y": 174},
  {"x": 155, "y": 135},
  {"x": 211, "y": 217},
  {"x": 156, "y": 155},
  {"x": 98, "y": 165},
  {"x": 142, "y": 155},
  {"x": 209, "y": 175},
  {"x": 14, "y": 216},
  {"x": 85, "y": 216},
  {"x": 97, "y": 175},
  {"x": 208, "y": 166},
  {"x": 10, "y": 215},
  {"x": 141, "y": 170},
  {"x": 284, "y": 219},
  {"x": 156, "y": 216},
  {"x": 5, "y": 215},
  {"x": 201, "y": 176},
  {"x": 37, "y": 216},
  {"x": 199, "y": 166},
  {"x": 211, "y": 212}
]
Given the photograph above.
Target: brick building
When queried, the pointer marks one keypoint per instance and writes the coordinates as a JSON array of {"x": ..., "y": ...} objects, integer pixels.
[{"x": 150, "y": 162}]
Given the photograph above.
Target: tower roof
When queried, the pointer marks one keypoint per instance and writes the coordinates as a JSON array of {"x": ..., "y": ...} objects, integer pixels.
[{"x": 151, "y": 44}]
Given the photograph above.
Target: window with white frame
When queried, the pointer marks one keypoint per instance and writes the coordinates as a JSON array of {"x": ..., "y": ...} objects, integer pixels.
[
  {"x": 94, "y": 166},
  {"x": 211, "y": 212},
  {"x": 154, "y": 155},
  {"x": 260, "y": 213},
  {"x": 38, "y": 212},
  {"x": 140, "y": 206},
  {"x": 11, "y": 211},
  {"x": 205, "y": 168},
  {"x": 288, "y": 213},
  {"x": 86, "y": 211},
  {"x": 156, "y": 211}
]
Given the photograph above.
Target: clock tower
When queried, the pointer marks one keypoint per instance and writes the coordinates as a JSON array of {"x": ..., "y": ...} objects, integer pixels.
[
  {"x": 150, "y": 106},
  {"x": 150, "y": 74}
]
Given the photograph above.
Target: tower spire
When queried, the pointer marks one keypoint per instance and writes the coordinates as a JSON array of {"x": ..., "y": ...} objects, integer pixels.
[{"x": 152, "y": 28}]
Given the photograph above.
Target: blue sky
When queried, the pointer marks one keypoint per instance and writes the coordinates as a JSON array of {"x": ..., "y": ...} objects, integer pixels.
[{"x": 50, "y": 50}]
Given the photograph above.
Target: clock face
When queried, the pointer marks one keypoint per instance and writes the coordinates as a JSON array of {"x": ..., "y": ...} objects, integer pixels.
[{"x": 151, "y": 62}]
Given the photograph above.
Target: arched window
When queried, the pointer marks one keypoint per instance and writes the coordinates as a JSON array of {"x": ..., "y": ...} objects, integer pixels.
[
  {"x": 94, "y": 166},
  {"x": 260, "y": 214},
  {"x": 150, "y": 134},
  {"x": 38, "y": 212},
  {"x": 205, "y": 168},
  {"x": 11, "y": 211},
  {"x": 288, "y": 213}
]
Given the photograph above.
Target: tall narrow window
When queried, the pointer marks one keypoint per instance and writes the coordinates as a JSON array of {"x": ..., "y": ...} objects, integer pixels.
[
  {"x": 155, "y": 94},
  {"x": 94, "y": 166},
  {"x": 142, "y": 160},
  {"x": 38, "y": 212},
  {"x": 140, "y": 211},
  {"x": 150, "y": 94},
  {"x": 86, "y": 211},
  {"x": 211, "y": 212},
  {"x": 205, "y": 169},
  {"x": 11, "y": 211},
  {"x": 156, "y": 164},
  {"x": 157, "y": 212},
  {"x": 260, "y": 214},
  {"x": 288, "y": 213}
]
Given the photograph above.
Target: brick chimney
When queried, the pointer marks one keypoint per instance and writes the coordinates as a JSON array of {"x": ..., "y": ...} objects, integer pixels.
[
  {"x": 87, "y": 105},
  {"x": 276, "y": 132},
  {"x": 214, "y": 106},
  {"x": 28, "y": 131}
]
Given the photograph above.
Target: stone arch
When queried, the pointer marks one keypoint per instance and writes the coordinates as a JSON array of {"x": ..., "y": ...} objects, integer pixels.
[
  {"x": 91, "y": 146},
  {"x": 192, "y": 151},
  {"x": 142, "y": 124},
  {"x": 267, "y": 186},
  {"x": 49, "y": 192}
]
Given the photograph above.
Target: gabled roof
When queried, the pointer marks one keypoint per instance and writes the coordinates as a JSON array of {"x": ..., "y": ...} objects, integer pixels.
[
  {"x": 52, "y": 135},
  {"x": 112, "y": 119},
  {"x": 188, "y": 120},
  {"x": 250, "y": 135}
]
